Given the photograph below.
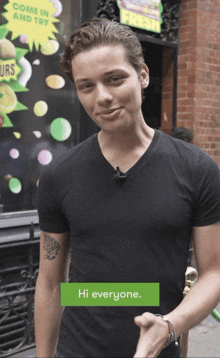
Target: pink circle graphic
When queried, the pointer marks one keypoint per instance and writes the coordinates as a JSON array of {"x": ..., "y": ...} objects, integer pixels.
[
  {"x": 58, "y": 6},
  {"x": 45, "y": 157},
  {"x": 23, "y": 38},
  {"x": 37, "y": 134},
  {"x": 14, "y": 153},
  {"x": 36, "y": 62}
]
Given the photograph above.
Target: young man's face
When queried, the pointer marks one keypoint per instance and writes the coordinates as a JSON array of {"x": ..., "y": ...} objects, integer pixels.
[{"x": 108, "y": 87}]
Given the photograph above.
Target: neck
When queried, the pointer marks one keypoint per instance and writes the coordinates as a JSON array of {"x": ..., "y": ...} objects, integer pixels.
[{"x": 127, "y": 140}]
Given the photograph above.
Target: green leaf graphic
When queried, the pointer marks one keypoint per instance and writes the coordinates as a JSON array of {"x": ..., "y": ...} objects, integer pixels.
[
  {"x": 17, "y": 87},
  {"x": 20, "y": 107},
  {"x": 7, "y": 122},
  {"x": 20, "y": 52},
  {"x": 3, "y": 31}
]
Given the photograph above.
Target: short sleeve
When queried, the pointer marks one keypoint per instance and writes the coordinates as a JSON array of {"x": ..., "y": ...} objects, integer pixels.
[
  {"x": 51, "y": 217},
  {"x": 207, "y": 204}
]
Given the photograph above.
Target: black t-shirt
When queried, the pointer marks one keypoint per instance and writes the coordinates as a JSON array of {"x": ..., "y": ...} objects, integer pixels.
[{"x": 134, "y": 230}]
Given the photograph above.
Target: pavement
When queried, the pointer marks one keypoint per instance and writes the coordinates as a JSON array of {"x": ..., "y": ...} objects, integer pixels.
[
  {"x": 204, "y": 340},
  {"x": 25, "y": 354}
]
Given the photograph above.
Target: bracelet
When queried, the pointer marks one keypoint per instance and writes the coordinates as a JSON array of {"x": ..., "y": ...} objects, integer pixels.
[{"x": 172, "y": 336}]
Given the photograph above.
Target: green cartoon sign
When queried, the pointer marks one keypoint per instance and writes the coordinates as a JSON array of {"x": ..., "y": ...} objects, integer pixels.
[{"x": 143, "y": 14}]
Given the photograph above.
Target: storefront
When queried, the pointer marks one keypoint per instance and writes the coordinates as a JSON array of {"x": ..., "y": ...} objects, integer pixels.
[
  {"x": 43, "y": 117},
  {"x": 39, "y": 119}
]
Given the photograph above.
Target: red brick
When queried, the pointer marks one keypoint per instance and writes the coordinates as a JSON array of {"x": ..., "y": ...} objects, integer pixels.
[
  {"x": 183, "y": 58},
  {"x": 182, "y": 87},
  {"x": 217, "y": 159},
  {"x": 192, "y": 4},
  {"x": 212, "y": 68},
  {"x": 184, "y": 36},
  {"x": 186, "y": 102},
  {"x": 183, "y": 22},
  {"x": 198, "y": 74},
  {"x": 190, "y": 94},
  {"x": 190, "y": 28},
  {"x": 182, "y": 66},
  {"x": 188, "y": 116},
  {"x": 185, "y": 43},
  {"x": 183, "y": 80},
  {"x": 182, "y": 94},
  {"x": 216, "y": 153},
  {"x": 184, "y": 6},
  {"x": 166, "y": 96},
  {"x": 191, "y": 79},
  {"x": 191, "y": 66}
]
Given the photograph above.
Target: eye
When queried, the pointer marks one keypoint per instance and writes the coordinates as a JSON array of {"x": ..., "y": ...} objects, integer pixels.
[
  {"x": 86, "y": 86},
  {"x": 116, "y": 78}
]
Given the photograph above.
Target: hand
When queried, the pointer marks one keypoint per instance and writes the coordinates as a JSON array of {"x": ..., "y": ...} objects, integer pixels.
[{"x": 154, "y": 334}]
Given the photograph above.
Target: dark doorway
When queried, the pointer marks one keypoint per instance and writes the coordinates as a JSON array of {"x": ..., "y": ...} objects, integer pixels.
[{"x": 151, "y": 106}]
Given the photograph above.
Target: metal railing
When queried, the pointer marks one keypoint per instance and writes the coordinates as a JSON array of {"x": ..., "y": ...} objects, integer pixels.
[{"x": 18, "y": 273}]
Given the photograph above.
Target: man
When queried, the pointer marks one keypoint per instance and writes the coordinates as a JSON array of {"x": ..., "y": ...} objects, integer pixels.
[{"x": 125, "y": 201}]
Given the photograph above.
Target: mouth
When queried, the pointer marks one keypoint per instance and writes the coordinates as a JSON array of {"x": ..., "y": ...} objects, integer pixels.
[{"x": 109, "y": 111}]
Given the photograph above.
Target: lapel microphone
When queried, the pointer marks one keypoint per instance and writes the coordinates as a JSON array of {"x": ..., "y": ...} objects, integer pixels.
[{"x": 119, "y": 175}]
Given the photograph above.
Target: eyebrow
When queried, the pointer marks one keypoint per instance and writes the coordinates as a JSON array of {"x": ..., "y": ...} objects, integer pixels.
[{"x": 104, "y": 75}]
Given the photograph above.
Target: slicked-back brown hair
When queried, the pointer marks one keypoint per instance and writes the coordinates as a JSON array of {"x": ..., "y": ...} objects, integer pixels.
[{"x": 101, "y": 32}]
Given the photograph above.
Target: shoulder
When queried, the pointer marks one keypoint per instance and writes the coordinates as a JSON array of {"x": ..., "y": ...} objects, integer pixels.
[
  {"x": 185, "y": 153},
  {"x": 75, "y": 154},
  {"x": 70, "y": 159}
]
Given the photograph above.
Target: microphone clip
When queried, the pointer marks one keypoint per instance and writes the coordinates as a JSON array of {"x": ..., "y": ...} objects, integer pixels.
[{"x": 119, "y": 175}]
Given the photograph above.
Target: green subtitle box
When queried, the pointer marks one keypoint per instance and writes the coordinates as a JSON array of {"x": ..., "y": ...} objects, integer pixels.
[{"x": 110, "y": 294}]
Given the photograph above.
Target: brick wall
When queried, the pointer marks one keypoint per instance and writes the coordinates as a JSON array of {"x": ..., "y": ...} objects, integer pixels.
[{"x": 198, "y": 105}]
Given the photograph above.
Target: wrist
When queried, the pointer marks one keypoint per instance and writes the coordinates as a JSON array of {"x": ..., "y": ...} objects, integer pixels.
[{"x": 172, "y": 335}]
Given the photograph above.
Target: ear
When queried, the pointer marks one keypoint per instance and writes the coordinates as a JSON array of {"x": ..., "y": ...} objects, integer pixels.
[{"x": 144, "y": 76}]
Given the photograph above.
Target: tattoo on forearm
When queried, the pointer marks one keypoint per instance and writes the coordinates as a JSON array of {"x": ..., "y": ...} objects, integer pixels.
[{"x": 51, "y": 247}]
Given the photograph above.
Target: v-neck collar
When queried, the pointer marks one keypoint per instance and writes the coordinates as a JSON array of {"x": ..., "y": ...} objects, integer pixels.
[{"x": 145, "y": 156}]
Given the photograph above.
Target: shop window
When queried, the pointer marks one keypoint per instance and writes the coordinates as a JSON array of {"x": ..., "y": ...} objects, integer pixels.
[{"x": 39, "y": 109}]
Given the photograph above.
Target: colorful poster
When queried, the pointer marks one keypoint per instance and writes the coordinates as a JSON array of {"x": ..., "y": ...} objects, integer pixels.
[
  {"x": 33, "y": 22},
  {"x": 10, "y": 69},
  {"x": 143, "y": 14},
  {"x": 36, "y": 123},
  {"x": 31, "y": 19}
]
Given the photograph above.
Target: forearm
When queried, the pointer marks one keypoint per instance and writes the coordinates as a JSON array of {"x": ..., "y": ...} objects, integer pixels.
[
  {"x": 48, "y": 313},
  {"x": 198, "y": 303}
]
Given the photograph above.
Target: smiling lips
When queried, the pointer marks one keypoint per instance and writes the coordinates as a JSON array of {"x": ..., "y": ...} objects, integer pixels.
[{"x": 109, "y": 112}]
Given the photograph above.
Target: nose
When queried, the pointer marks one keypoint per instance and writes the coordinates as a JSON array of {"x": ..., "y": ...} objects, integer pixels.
[{"x": 103, "y": 94}]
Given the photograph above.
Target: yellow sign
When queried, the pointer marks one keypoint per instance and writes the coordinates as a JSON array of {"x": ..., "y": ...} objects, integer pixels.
[
  {"x": 32, "y": 19},
  {"x": 145, "y": 14},
  {"x": 140, "y": 21},
  {"x": 9, "y": 70}
]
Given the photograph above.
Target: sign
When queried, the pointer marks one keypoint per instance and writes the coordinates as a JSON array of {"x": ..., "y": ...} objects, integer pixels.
[
  {"x": 143, "y": 14},
  {"x": 110, "y": 294},
  {"x": 32, "y": 19},
  {"x": 9, "y": 70}
]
